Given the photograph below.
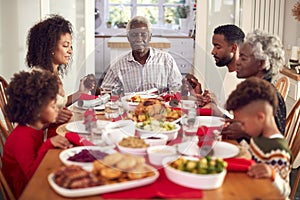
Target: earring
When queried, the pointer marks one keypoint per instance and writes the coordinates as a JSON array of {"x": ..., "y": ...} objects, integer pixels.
[{"x": 52, "y": 53}]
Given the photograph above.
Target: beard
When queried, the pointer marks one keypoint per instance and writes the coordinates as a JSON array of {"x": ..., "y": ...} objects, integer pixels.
[{"x": 224, "y": 61}]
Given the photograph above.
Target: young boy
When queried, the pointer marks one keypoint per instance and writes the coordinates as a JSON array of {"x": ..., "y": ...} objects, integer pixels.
[
  {"x": 31, "y": 104},
  {"x": 254, "y": 104}
]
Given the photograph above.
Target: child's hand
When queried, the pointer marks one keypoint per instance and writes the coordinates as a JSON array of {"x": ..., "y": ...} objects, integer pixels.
[
  {"x": 60, "y": 142},
  {"x": 260, "y": 170}
]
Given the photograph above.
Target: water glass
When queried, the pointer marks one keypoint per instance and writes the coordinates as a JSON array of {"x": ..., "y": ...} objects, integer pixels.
[{"x": 111, "y": 110}]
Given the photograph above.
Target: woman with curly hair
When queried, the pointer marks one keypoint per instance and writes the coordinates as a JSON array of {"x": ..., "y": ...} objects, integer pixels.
[
  {"x": 50, "y": 48},
  {"x": 262, "y": 56},
  {"x": 31, "y": 104}
]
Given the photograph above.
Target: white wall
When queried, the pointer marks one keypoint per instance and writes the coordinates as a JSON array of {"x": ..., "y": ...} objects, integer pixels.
[
  {"x": 291, "y": 26},
  {"x": 16, "y": 16}
]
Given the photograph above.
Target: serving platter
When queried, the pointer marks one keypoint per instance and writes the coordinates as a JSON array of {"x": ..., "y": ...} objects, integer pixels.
[
  {"x": 220, "y": 149},
  {"x": 103, "y": 188},
  {"x": 79, "y": 127}
]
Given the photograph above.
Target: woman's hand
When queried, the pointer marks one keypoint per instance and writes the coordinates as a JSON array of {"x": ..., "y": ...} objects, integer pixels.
[
  {"x": 60, "y": 142},
  {"x": 260, "y": 170},
  {"x": 64, "y": 115}
]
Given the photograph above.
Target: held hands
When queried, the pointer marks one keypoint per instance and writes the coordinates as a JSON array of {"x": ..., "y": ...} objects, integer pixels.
[
  {"x": 60, "y": 142},
  {"x": 233, "y": 129},
  {"x": 87, "y": 83},
  {"x": 260, "y": 170},
  {"x": 64, "y": 115},
  {"x": 190, "y": 84}
]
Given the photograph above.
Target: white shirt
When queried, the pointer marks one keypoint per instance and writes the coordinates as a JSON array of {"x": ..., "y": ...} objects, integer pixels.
[{"x": 160, "y": 71}]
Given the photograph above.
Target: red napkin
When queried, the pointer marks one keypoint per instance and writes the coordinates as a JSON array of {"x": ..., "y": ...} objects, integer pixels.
[
  {"x": 87, "y": 97},
  {"x": 77, "y": 140},
  {"x": 204, "y": 111},
  {"x": 238, "y": 164},
  {"x": 162, "y": 188}
]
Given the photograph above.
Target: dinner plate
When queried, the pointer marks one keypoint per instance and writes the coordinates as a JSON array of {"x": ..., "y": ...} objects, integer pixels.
[
  {"x": 143, "y": 96},
  {"x": 97, "y": 108},
  {"x": 79, "y": 127},
  {"x": 221, "y": 149},
  {"x": 102, "y": 188},
  {"x": 66, "y": 154}
]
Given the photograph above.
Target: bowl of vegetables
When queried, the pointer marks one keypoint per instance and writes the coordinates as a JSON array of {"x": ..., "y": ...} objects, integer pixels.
[
  {"x": 154, "y": 127},
  {"x": 198, "y": 173}
]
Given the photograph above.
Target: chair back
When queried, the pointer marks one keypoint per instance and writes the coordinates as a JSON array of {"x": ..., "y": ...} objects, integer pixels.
[
  {"x": 283, "y": 86},
  {"x": 3, "y": 102},
  {"x": 292, "y": 135},
  {"x": 292, "y": 123},
  {"x": 4, "y": 187}
]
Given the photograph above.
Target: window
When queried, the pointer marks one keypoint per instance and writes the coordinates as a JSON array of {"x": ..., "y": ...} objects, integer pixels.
[{"x": 159, "y": 12}]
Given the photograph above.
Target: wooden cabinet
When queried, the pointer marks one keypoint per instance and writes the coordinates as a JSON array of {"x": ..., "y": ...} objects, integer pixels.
[
  {"x": 182, "y": 50},
  {"x": 294, "y": 91}
]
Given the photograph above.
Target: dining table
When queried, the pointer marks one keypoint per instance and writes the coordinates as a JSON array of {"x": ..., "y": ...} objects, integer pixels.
[{"x": 237, "y": 185}]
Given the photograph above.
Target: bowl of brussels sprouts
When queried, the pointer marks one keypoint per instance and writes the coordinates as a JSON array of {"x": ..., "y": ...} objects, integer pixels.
[
  {"x": 198, "y": 173},
  {"x": 158, "y": 127}
]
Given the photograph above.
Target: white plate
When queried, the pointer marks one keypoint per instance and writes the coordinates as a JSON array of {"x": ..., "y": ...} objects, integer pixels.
[
  {"x": 221, "y": 149},
  {"x": 79, "y": 127},
  {"x": 102, "y": 188},
  {"x": 148, "y": 96},
  {"x": 66, "y": 154},
  {"x": 97, "y": 108}
]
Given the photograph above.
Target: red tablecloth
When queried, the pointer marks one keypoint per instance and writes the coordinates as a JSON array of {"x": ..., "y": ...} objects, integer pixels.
[{"x": 162, "y": 188}]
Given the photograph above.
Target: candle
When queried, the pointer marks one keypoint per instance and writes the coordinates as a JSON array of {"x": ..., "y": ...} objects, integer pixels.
[{"x": 294, "y": 55}]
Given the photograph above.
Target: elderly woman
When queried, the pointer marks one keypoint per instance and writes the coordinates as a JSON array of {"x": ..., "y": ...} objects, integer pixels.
[{"x": 261, "y": 55}]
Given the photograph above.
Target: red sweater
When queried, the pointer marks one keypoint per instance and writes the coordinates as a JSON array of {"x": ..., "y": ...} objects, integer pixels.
[{"x": 23, "y": 151}]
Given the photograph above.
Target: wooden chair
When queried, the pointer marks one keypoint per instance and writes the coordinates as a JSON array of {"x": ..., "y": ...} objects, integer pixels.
[
  {"x": 3, "y": 102},
  {"x": 4, "y": 187},
  {"x": 292, "y": 135},
  {"x": 283, "y": 86}
]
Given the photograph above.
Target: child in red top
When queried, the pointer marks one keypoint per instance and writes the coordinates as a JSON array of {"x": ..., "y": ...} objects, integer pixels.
[{"x": 31, "y": 104}]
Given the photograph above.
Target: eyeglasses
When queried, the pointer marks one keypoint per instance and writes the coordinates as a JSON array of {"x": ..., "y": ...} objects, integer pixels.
[{"x": 138, "y": 34}]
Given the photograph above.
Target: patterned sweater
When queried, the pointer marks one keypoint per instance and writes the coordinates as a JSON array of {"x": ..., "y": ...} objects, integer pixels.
[{"x": 274, "y": 151}]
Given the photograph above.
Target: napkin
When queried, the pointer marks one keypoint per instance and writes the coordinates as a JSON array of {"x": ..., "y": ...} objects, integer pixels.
[
  {"x": 77, "y": 140},
  {"x": 162, "y": 188},
  {"x": 87, "y": 97},
  {"x": 238, "y": 164},
  {"x": 204, "y": 111}
]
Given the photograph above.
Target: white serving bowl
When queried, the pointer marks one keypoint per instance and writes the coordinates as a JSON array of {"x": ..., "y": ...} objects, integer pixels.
[
  {"x": 155, "y": 139},
  {"x": 190, "y": 180},
  {"x": 133, "y": 151},
  {"x": 172, "y": 134},
  {"x": 114, "y": 132},
  {"x": 157, "y": 153}
]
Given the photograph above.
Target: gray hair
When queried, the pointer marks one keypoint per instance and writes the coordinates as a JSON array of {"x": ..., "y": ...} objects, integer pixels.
[
  {"x": 138, "y": 20},
  {"x": 268, "y": 48}
]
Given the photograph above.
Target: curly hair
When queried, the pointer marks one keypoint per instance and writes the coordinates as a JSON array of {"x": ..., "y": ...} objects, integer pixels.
[
  {"x": 268, "y": 48},
  {"x": 231, "y": 32},
  {"x": 28, "y": 93},
  {"x": 138, "y": 20},
  {"x": 42, "y": 40},
  {"x": 250, "y": 90}
]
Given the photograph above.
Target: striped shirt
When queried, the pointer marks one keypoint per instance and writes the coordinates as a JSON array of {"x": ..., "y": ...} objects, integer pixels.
[{"x": 160, "y": 71}]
